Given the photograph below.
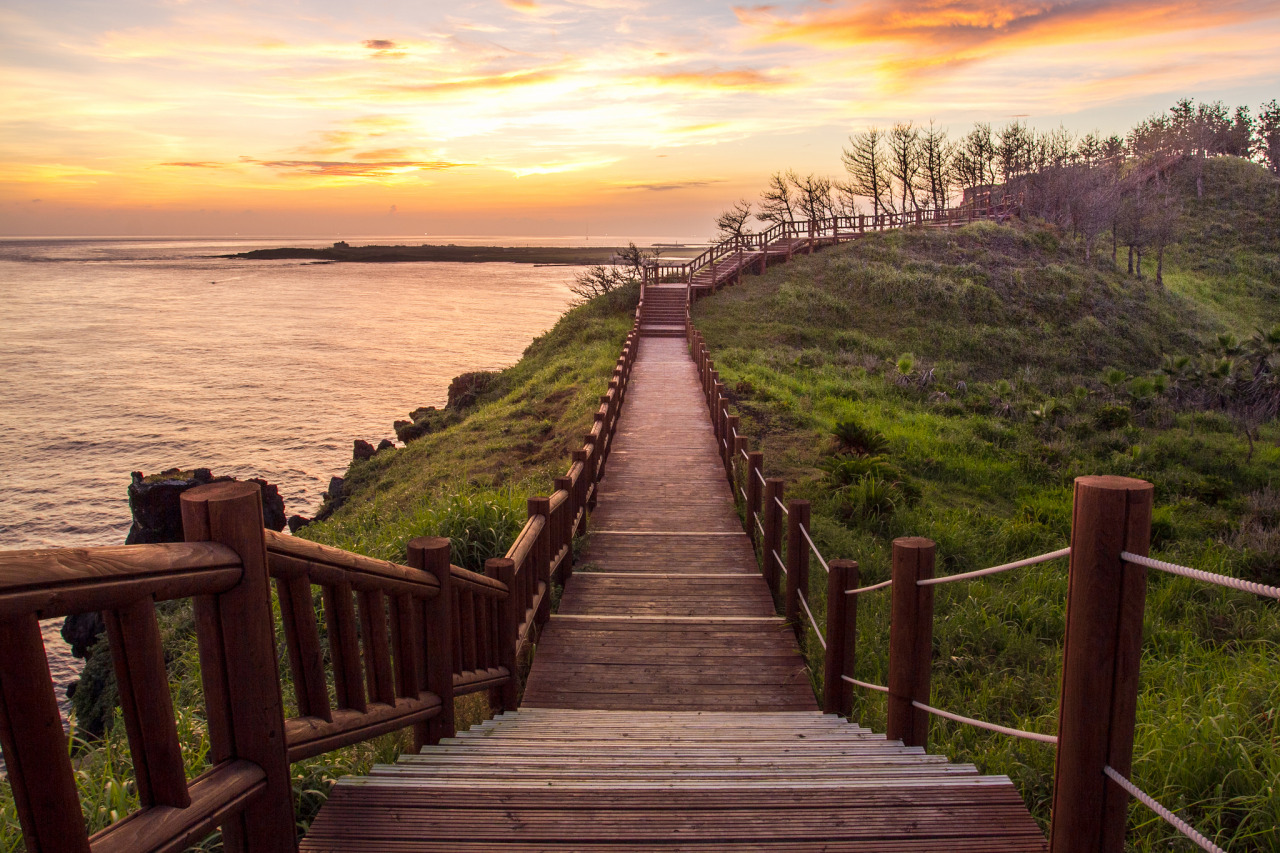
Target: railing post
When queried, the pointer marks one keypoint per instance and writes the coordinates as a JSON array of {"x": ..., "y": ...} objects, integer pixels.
[
  {"x": 509, "y": 616},
  {"x": 591, "y": 461},
  {"x": 755, "y": 464},
  {"x": 739, "y": 452},
  {"x": 1101, "y": 656},
  {"x": 238, "y": 663},
  {"x": 542, "y": 556},
  {"x": 910, "y": 640},
  {"x": 842, "y": 638},
  {"x": 431, "y": 554},
  {"x": 772, "y": 549},
  {"x": 579, "y": 494},
  {"x": 797, "y": 563},
  {"x": 567, "y": 521},
  {"x": 730, "y": 441},
  {"x": 35, "y": 747}
]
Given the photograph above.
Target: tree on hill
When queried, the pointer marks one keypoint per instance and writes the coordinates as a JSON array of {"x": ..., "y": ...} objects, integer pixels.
[
  {"x": 904, "y": 163},
  {"x": 1268, "y": 129},
  {"x": 868, "y": 168},
  {"x": 732, "y": 223},
  {"x": 936, "y": 155},
  {"x": 778, "y": 201}
]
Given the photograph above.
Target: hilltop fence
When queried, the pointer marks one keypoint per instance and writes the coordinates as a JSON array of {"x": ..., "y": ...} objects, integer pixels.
[{"x": 401, "y": 641}]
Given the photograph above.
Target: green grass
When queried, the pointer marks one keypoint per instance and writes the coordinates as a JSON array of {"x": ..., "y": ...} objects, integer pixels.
[{"x": 1018, "y": 333}]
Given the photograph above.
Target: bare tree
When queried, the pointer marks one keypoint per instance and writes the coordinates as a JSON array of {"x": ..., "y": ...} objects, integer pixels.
[
  {"x": 1094, "y": 202},
  {"x": 777, "y": 201},
  {"x": 732, "y": 223},
  {"x": 937, "y": 154},
  {"x": 905, "y": 162},
  {"x": 867, "y": 165},
  {"x": 813, "y": 195},
  {"x": 1163, "y": 211},
  {"x": 597, "y": 281}
]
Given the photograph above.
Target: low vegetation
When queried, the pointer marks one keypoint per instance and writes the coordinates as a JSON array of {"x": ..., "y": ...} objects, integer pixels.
[{"x": 952, "y": 385}]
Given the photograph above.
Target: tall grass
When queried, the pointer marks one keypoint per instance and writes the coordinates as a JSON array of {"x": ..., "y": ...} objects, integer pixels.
[{"x": 1007, "y": 320}]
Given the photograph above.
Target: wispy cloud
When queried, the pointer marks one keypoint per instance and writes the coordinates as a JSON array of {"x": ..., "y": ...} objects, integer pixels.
[
  {"x": 354, "y": 168},
  {"x": 668, "y": 186},
  {"x": 922, "y": 36}
]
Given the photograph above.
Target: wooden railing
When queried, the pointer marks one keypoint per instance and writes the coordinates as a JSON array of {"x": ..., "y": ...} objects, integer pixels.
[
  {"x": 1102, "y": 643},
  {"x": 402, "y": 642},
  {"x": 786, "y": 237}
]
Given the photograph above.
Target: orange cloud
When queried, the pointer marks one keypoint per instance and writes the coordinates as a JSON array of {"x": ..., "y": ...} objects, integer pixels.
[
  {"x": 352, "y": 169},
  {"x": 742, "y": 79},
  {"x": 483, "y": 82},
  {"x": 940, "y": 34}
]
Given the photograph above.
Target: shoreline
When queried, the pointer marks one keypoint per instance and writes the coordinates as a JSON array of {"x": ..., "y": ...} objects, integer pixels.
[{"x": 342, "y": 253}]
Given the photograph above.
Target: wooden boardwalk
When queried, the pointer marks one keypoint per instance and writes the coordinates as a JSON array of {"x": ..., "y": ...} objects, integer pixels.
[{"x": 668, "y": 706}]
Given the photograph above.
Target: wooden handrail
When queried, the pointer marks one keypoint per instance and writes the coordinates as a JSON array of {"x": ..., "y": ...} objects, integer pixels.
[{"x": 59, "y": 581}]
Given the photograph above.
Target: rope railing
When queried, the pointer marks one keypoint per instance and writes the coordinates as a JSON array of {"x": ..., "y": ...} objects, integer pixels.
[
  {"x": 1168, "y": 816},
  {"x": 813, "y": 622},
  {"x": 814, "y": 548},
  {"x": 880, "y": 688},
  {"x": 994, "y": 570},
  {"x": 982, "y": 724},
  {"x": 1106, "y": 529},
  {"x": 1203, "y": 576},
  {"x": 860, "y": 590}
]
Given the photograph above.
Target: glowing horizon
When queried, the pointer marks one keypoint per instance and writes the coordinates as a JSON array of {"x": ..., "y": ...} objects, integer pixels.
[{"x": 540, "y": 118}]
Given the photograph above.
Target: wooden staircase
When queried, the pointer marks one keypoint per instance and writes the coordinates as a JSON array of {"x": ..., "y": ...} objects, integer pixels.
[
  {"x": 662, "y": 313},
  {"x": 560, "y": 779}
]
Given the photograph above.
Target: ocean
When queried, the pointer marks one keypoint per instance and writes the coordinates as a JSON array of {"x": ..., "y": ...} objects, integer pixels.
[{"x": 143, "y": 355}]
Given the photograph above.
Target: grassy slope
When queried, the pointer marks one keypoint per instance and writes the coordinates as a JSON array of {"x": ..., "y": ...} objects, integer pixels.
[{"x": 1015, "y": 315}]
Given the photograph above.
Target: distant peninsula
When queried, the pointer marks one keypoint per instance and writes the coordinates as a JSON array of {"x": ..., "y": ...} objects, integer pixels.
[{"x": 342, "y": 252}]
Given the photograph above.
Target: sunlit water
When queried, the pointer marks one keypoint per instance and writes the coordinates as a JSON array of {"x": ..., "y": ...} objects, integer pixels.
[{"x": 130, "y": 355}]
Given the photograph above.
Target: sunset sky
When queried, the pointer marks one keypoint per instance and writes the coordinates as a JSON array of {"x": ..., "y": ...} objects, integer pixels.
[{"x": 523, "y": 117}]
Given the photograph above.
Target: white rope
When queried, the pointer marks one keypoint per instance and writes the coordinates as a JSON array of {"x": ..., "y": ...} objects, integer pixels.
[
  {"x": 782, "y": 506},
  {"x": 992, "y": 727},
  {"x": 1171, "y": 818},
  {"x": 865, "y": 684},
  {"x": 871, "y": 588},
  {"x": 743, "y": 492},
  {"x": 781, "y": 564},
  {"x": 1207, "y": 577},
  {"x": 1030, "y": 561},
  {"x": 760, "y": 476},
  {"x": 812, "y": 621},
  {"x": 816, "y": 552},
  {"x": 756, "y": 516},
  {"x": 724, "y": 444},
  {"x": 745, "y": 456}
]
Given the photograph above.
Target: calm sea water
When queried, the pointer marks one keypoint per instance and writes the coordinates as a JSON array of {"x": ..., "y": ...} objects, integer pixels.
[{"x": 142, "y": 355}]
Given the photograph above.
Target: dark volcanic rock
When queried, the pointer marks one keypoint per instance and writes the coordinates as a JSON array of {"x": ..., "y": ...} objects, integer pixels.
[
  {"x": 157, "y": 511},
  {"x": 81, "y": 631},
  {"x": 385, "y": 444},
  {"x": 297, "y": 522},
  {"x": 424, "y": 421},
  {"x": 363, "y": 450},
  {"x": 464, "y": 388}
]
